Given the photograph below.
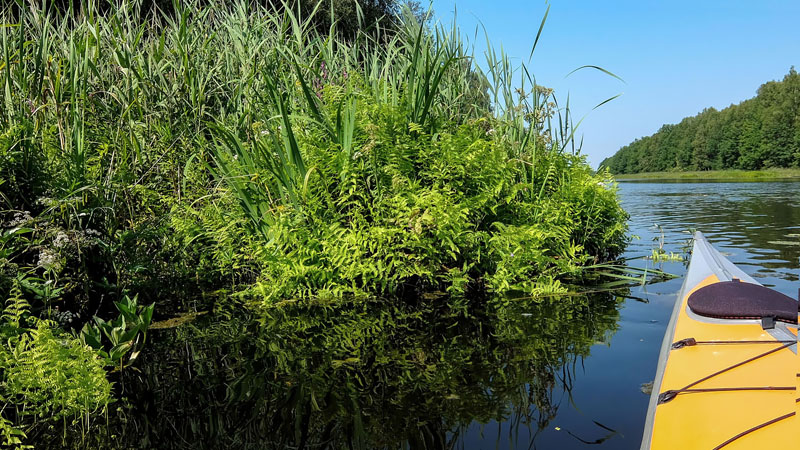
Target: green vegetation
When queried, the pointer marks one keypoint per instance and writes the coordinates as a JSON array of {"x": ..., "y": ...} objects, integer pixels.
[
  {"x": 759, "y": 133},
  {"x": 46, "y": 373},
  {"x": 224, "y": 152},
  {"x": 716, "y": 175}
]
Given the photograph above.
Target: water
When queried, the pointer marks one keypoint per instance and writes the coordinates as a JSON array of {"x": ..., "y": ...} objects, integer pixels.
[
  {"x": 566, "y": 374},
  {"x": 756, "y": 225}
]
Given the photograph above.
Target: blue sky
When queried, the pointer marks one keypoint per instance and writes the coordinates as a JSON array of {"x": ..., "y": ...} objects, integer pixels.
[{"x": 676, "y": 57}]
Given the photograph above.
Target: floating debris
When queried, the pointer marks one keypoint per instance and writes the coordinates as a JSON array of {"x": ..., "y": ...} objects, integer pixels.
[{"x": 177, "y": 321}]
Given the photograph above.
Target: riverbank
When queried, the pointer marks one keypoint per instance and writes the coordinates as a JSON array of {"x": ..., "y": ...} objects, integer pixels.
[{"x": 714, "y": 175}]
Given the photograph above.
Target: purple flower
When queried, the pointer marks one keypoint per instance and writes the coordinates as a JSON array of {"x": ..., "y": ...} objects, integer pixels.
[{"x": 323, "y": 71}]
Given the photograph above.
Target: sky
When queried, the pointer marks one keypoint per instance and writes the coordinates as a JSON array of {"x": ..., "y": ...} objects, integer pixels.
[{"x": 676, "y": 57}]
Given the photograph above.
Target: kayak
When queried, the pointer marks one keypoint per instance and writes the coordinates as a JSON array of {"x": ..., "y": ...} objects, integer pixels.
[{"x": 728, "y": 371}]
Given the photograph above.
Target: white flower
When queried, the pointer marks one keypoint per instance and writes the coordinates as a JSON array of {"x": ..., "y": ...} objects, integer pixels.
[
  {"x": 61, "y": 240},
  {"x": 20, "y": 218},
  {"x": 48, "y": 259},
  {"x": 45, "y": 201}
]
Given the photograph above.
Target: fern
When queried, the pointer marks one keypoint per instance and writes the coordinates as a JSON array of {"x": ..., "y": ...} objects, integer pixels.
[
  {"x": 55, "y": 375},
  {"x": 16, "y": 307},
  {"x": 10, "y": 436},
  {"x": 45, "y": 373}
]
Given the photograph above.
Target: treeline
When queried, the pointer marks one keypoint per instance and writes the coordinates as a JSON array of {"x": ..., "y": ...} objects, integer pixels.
[{"x": 762, "y": 132}]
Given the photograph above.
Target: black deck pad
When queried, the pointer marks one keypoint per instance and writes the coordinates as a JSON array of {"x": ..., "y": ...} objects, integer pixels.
[{"x": 737, "y": 300}]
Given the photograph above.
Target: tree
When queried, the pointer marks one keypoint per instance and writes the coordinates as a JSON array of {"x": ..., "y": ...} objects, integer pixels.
[{"x": 763, "y": 131}]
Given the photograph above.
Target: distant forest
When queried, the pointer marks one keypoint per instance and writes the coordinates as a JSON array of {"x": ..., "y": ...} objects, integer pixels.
[{"x": 758, "y": 133}]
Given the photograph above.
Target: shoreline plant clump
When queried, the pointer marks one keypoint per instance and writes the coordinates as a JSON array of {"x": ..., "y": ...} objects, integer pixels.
[
  {"x": 373, "y": 164},
  {"x": 231, "y": 147}
]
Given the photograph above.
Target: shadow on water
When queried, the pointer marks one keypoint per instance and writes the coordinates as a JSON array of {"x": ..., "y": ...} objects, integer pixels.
[{"x": 362, "y": 375}]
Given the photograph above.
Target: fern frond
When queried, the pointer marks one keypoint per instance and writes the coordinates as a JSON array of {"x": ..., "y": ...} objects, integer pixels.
[{"x": 16, "y": 306}]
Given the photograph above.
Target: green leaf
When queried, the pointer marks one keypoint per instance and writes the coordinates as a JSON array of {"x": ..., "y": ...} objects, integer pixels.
[
  {"x": 147, "y": 316},
  {"x": 118, "y": 351},
  {"x": 90, "y": 336}
]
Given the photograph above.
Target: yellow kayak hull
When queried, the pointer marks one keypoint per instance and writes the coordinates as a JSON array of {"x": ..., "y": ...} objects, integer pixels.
[{"x": 721, "y": 411}]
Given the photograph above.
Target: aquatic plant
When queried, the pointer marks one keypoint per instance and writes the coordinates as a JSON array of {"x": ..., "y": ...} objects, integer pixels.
[
  {"x": 660, "y": 255},
  {"x": 126, "y": 334},
  {"x": 358, "y": 164}
]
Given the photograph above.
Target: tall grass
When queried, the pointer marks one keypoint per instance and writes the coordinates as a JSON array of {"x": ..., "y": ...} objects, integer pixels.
[
  {"x": 168, "y": 76},
  {"x": 129, "y": 115}
]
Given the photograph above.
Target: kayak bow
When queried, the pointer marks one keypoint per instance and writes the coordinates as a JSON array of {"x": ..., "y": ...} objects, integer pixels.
[{"x": 727, "y": 372}]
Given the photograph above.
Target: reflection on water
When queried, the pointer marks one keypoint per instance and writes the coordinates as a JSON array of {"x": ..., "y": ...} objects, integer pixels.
[
  {"x": 359, "y": 376},
  {"x": 757, "y": 225},
  {"x": 566, "y": 373}
]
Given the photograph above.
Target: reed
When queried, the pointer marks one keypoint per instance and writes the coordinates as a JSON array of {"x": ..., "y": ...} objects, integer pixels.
[{"x": 318, "y": 138}]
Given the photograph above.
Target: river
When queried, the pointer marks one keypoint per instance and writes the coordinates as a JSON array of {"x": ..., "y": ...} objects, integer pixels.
[{"x": 756, "y": 225}]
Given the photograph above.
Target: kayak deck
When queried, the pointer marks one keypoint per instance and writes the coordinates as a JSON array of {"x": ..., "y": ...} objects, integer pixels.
[{"x": 737, "y": 377}]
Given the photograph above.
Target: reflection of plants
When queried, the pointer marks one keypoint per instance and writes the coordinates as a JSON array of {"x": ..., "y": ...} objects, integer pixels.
[
  {"x": 363, "y": 166},
  {"x": 360, "y": 374},
  {"x": 126, "y": 334},
  {"x": 622, "y": 274}
]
